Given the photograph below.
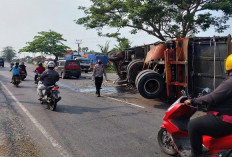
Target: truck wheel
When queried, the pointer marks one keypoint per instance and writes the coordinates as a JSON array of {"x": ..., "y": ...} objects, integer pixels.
[
  {"x": 113, "y": 56},
  {"x": 151, "y": 85},
  {"x": 165, "y": 142},
  {"x": 63, "y": 76},
  {"x": 133, "y": 69},
  {"x": 140, "y": 74}
]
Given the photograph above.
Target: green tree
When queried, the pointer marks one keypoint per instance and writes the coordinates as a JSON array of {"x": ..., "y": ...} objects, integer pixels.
[
  {"x": 164, "y": 19},
  {"x": 48, "y": 43},
  {"x": 105, "y": 49},
  {"x": 8, "y": 53},
  {"x": 123, "y": 43},
  {"x": 85, "y": 49}
]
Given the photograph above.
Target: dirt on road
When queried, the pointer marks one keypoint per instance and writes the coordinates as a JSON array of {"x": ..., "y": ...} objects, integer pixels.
[{"x": 14, "y": 141}]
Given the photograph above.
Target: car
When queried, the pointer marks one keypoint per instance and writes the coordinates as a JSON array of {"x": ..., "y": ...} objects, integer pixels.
[
  {"x": 68, "y": 68},
  {"x": 85, "y": 64},
  {"x": 2, "y": 62}
]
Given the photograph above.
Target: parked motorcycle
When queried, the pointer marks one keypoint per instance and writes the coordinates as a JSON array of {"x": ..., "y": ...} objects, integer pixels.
[
  {"x": 23, "y": 74},
  {"x": 173, "y": 136},
  {"x": 16, "y": 80},
  {"x": 51, "y": 97}
]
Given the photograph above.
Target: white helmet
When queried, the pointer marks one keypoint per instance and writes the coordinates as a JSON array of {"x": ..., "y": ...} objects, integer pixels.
[{"x": 51, "y": 64}]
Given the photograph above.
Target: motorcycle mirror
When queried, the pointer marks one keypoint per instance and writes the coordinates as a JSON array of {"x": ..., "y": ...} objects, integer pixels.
[
  {"x": 183, "y": 93},
  {"x": 206, "y": 90}
]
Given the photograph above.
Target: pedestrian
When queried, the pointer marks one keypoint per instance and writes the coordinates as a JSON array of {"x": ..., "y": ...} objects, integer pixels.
[{"x": 98, "y": 72}]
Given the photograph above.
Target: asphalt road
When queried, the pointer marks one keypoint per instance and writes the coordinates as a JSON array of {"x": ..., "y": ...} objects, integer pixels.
[{"x": 119, "y": 124}]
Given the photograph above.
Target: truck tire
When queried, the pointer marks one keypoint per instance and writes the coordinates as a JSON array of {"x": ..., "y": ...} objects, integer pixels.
[
  {"x": 113, "y": 56},
  {"x": 140, "y": 74},
  {"x": 151, "y": 85},
  {"x": 133, "y": 69}
]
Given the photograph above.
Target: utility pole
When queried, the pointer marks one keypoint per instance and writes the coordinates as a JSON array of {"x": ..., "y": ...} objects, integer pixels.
[{"x": 78, "y": 42}]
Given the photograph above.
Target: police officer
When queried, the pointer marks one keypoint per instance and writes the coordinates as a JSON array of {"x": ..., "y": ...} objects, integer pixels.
[{"x": 98, "y": 73}]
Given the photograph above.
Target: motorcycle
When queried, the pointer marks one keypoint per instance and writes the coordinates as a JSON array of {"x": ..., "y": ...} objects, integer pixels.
[
  {"x": 173, "y": 136},
  {"x": 36, "y": 78},
  {"x": 16, "y": 80},
  {"x": 51, "y": 97},
  {"x": 23, "y": 74}
]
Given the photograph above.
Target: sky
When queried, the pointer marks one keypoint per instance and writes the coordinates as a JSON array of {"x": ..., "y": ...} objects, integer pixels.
[{"x": 21, "y": 20}]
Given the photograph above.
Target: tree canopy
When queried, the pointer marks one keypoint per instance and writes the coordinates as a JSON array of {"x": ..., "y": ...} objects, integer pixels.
[
  {"x": 8, "y": 53},
  {"x": 105, "y": 49},
  {"x": 164, "y": 19},
  {"x": 49, "y": 43}
]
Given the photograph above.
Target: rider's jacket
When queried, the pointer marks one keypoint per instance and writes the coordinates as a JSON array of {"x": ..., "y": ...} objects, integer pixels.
[
  {"x": 49, "y": 77},
  {"x": 219, "y": 101},
  {"x": 23, "y": 67},
  {"x": 40, "y": 69},
  {"x": 16, "y": 70}
]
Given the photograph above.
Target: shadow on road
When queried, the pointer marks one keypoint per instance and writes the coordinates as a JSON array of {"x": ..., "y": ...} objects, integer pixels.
[{"x": 81, "y": 109}]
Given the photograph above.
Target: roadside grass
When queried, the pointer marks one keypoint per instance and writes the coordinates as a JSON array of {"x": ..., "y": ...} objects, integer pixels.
[{"x": 110, "y": 69}]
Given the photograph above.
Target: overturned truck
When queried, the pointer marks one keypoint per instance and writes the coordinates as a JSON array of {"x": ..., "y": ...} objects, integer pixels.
[
  {"x": 191, "y": 64},
  {"x": 129, "y": 63}
]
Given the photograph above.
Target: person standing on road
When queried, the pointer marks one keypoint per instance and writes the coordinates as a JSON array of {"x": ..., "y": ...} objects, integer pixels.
[{"x": 98, "y": 73}]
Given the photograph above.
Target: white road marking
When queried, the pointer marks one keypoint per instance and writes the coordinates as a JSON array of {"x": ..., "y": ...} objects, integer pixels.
[
  {"x": 126, "y": 102},
  {"x": 55, "y": 144}
]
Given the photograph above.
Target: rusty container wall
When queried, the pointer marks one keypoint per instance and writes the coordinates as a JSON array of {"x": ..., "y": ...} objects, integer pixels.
[
  {"x": 157, "y": 52},
  {"x": 201, "y": 62}
]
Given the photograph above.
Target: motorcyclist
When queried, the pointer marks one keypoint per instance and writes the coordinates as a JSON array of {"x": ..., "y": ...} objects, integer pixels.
[
  {"x": 23, "y": 67},
  {"x": 218, "y": 121},
  {"x": 39, "y": 69},
  {"x": 15, "y": 71},
  {"x": 48, "y": 78}
]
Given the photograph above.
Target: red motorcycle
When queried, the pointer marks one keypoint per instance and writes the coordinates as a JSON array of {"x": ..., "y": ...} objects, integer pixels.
[{"x": 173, "y": 136}]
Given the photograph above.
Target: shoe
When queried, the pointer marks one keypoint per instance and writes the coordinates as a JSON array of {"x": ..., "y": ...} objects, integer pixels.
[
  {"x": 99, "y": 96},
  {"x": 58, "y": 99}
]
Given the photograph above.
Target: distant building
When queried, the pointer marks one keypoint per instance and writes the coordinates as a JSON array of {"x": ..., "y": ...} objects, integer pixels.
[{"x": 38, "y": 59}]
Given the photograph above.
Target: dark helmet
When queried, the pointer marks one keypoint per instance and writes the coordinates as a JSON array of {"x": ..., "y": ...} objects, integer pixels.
[
  {"x": 11, "y": 63},
  {"x": 40, "y": 64},
  {"x": 17, "y": 63}
]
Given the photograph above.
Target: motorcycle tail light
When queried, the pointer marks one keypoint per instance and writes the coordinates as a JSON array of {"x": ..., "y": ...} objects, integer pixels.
[{"x": 55, "y": 88}]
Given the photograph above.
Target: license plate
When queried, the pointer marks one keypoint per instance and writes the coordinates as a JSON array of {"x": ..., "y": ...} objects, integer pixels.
[{"x": 73, "y": 71}]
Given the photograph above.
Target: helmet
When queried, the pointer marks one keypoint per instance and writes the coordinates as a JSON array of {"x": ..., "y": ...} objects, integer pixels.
[
  {"x": 51, "y": 64},
  {"x": 228, "y": 64},
  {"x": 17, "y": 63},
  {"x": 40, "y": 64}
]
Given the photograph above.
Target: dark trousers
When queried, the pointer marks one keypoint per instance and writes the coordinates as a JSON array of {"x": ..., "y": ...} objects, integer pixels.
[
  {"x": 206, "y": 125},
  {"x": 98, "y": 83},
  {"x": 35, "y": 78},
  {"x": 14, "y": 76}
]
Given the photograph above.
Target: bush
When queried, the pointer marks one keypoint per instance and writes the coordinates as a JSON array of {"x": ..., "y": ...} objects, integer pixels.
[{"x": 110, "y": 69}]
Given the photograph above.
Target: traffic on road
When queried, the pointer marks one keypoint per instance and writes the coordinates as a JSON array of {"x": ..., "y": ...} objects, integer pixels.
[{"x": 119, "y": 123}]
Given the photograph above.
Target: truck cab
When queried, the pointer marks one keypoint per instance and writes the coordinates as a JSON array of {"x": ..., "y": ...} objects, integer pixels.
[{"x": 84, "y": 63}]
